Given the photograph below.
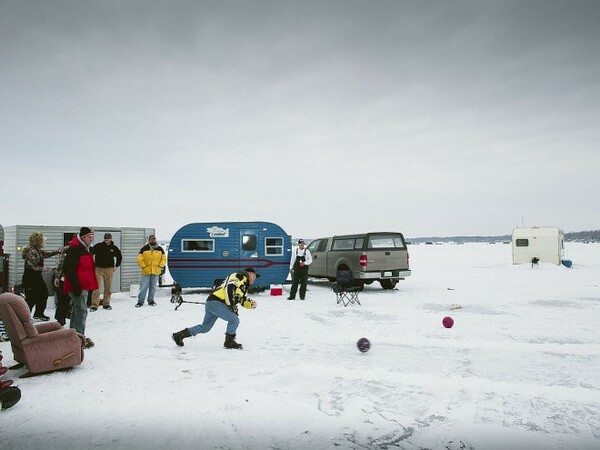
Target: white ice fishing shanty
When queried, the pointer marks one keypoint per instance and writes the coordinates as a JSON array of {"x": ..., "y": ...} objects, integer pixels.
[{"x": 538, "y": 245}]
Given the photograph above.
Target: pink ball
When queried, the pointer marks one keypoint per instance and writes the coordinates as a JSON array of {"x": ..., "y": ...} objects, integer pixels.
[{"x": 448, "y": 321}]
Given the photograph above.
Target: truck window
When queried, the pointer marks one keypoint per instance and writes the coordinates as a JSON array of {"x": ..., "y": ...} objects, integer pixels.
[
  {"x": 385, "y": 242},
  {"x": 343, "y": 244},
  {"x": 314, "y": 246},
  {"x": 274, "y": 246}
]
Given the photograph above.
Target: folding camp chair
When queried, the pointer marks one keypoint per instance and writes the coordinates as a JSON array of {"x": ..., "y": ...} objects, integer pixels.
[{"x": 346, "y": 291}]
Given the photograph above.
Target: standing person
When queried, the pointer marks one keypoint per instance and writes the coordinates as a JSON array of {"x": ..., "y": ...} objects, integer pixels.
[
  {"x": 299, "y": 262},
  {"x": 151, "y": 259},
  {"x": 80, "y": 278},
  {"x": 36, "y": 292},
  {"x": 222, "y": 304},
  {"x": 62, "y": 299},
  {"x": 107, "y": 258}
]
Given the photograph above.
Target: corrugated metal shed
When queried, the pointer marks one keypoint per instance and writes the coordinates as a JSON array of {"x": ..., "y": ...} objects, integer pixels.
[{"x": 129, "y": 239}]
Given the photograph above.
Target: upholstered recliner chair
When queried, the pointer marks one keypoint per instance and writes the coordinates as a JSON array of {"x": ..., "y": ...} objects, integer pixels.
[{"x": 43, "y": 347}]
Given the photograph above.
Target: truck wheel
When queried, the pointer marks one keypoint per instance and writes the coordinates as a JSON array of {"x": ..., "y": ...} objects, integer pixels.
[{"x": 388, "y": 284}]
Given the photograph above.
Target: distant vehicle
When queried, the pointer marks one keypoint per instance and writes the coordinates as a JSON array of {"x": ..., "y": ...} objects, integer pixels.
[
  {"x": 203, "y": 254},
  {"x": 380, "y": 256}
]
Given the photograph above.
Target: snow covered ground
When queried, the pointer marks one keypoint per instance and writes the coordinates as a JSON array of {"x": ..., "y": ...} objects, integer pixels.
[{"x": 519, "y": 369}]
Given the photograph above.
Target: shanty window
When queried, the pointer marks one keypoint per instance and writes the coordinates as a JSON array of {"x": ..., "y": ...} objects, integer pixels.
[
  {"x": 197, "y": 245},
  {"x": 522, "y": 242},
  {"x": 249, "y": 242},
  {"x": 274, "y": 246}
]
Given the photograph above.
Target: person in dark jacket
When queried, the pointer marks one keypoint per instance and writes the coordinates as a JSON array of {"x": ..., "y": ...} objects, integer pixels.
[
  {"x": 107, "y": 258},
  {"x": 36, "y": 292},
  {"x": 62, "y": 299},
  {"x": 80, "y": 278},
  {"x": 222, "y": 304}
]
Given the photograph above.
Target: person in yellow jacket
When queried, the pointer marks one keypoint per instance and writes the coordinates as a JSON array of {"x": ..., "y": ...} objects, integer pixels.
[
  {"x": 151, "y": 259},
  {"x": 222, "y": 304}
]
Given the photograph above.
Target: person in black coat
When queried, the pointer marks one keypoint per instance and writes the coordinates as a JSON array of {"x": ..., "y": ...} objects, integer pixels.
[
  {"x": 107, "y": 258},
  {"x": 36, "y": 292}
]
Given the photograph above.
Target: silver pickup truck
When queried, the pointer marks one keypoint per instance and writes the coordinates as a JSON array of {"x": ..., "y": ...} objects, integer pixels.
[{"x": 372, "y": 257}]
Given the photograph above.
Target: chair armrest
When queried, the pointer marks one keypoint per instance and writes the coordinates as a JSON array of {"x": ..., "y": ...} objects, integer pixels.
[
  {"x": 47, "y": 327},
  {"x": 55, "y": 342}
]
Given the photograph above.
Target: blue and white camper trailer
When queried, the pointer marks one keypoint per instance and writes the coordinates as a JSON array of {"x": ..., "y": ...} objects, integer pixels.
[{"x": 201, "y": 254}]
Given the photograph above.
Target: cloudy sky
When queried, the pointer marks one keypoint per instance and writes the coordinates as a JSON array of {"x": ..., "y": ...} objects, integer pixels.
[{"x": 427, "y": 117}]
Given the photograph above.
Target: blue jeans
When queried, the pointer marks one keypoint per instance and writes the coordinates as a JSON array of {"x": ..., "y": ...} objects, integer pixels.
[
  {"x": 80, "y": 311},
  {"x": 148, "y": 284},
  {"x": 216, "y": 310}
]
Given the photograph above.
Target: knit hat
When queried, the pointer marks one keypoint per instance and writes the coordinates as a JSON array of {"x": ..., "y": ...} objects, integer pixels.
[{"x": 84, "y": 231}]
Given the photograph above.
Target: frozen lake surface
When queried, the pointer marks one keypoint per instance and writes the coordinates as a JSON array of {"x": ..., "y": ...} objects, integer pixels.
[{"x": 519, "y": 369}]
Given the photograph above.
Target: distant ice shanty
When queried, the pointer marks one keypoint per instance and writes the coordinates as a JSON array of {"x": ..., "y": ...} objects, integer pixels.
[
  {"x": 538, "y": 245},
  {"x": 200, "y": 254}
]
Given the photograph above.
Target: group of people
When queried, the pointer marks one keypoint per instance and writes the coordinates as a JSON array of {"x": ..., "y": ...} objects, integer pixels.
[{"x": 81, "y": 269}]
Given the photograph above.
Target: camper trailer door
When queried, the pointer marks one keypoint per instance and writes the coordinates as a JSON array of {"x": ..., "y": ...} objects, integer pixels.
[{"x": 248, "y": 246}]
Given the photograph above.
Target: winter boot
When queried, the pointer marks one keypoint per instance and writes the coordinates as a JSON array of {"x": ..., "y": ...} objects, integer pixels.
[
  {"x": 9, "y": 396},
  {"x": 230, "y": 342},
  {"x": 180, "y": 336}
]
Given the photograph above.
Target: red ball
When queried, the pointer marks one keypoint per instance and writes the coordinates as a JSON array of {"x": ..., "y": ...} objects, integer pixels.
[
  {"x": 448, "y": 321},
  {"x": 363, "y": 344}
]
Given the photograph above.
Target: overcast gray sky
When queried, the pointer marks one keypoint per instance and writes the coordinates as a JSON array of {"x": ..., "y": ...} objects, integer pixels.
[{"x": 426, "y": 117}]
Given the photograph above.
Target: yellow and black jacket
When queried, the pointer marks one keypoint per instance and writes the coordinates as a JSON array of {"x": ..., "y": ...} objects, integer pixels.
[
  {"x": 233, "y": 291},
  {"x": 151, "y": 260}
]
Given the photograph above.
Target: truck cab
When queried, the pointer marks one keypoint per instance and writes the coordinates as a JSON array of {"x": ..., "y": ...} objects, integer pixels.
[{"x": 377, "y": 256}]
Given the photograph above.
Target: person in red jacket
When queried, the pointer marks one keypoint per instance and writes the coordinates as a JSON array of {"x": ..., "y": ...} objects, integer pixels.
[{"x": 80, "y": 278}]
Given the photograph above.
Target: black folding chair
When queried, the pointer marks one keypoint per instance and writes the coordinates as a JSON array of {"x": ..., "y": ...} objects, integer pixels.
[{"x": 346, "y": 291}]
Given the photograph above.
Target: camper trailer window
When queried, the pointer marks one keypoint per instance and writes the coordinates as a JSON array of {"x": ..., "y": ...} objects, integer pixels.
[
  {"x": 274, "y": 246},
  {"x": 522, "y": 242},
  {"x": 197, "y": 245},
  {"x": 249, "y": 242}
]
